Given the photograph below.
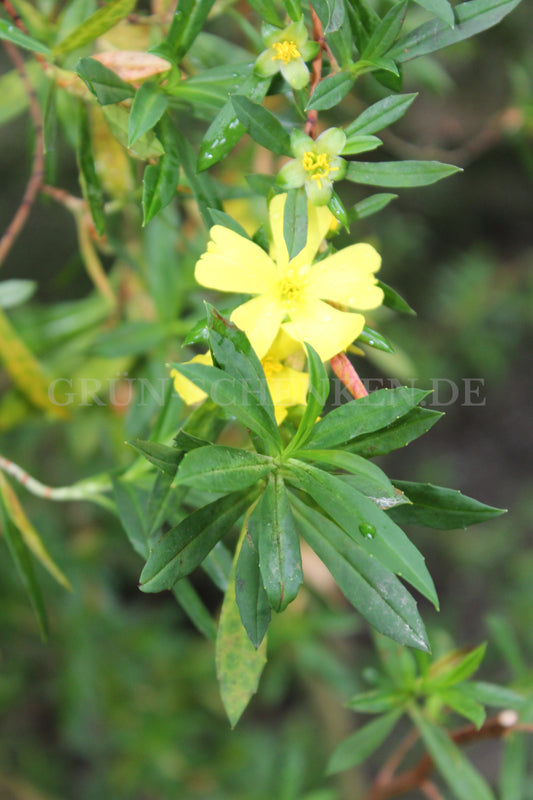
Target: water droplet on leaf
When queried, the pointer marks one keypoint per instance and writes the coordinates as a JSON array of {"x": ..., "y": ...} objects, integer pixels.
[{"x": 367, "y": 530}]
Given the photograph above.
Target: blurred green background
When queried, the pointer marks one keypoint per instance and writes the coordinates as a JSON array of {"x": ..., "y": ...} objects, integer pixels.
[{"x": 122, "y": 702}]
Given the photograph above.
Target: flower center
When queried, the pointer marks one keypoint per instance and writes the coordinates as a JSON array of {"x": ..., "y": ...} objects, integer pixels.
[
  {"x": 292, "y": 287},
  {"x": 285, "y": 51},
  {"x": 318, "y": 166},
  {"x": 271, "y": 367}
]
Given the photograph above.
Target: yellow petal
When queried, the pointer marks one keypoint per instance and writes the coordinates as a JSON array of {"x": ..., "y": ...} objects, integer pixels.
[
  {"x": 260, "y": 319},
  {"x": 325, "y": 328},
  {"x": 283, "y": 346},
  {"x": 288, "y": 387},
  {"x": 347, "y": 277},
  {"x": 318, "y": 222},
  {"x": 187, "y": 390},
  {"x": 235, "y": 264}
]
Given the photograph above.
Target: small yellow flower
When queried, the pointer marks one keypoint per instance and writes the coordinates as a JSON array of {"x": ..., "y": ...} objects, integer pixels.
[
  {"x": 290, "y": 294},
  {"x": 287, "y": 51},
  {"x": 287, "y": 386}
]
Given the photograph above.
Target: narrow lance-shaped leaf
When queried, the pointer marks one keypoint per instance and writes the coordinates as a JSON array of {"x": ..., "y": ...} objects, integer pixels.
[
  {"x": 96, "y": 25},
  {"x": 188, "y": 21},
  {"x": 239, "y": 663},
  {"x": 371, "y": 588},
  {"x": 361, "y": 744},
  {"x": 366, "y": 524},
  {"x": 22, "y": 559},
  {"x": 441, "y": 8},
  {"x": 386, "y": 33},
  {"x": 216, "y": 468},
  {"x": 103, "y": 82},
  {"x": 190, "y": 601},
  {"x": 471, "y": 18},
  {"x": 149, "y": 105},
  {"x": 262, "y": 125},
  {"x": 365, "y": 415},
  {"x": 465, "y": 782},
  {"x": 232, "y": 351},
  {"x": 461, "y": 702},
  {"x": 370, "y": 205},
  {"x": 316, "y": 399},
  {"x": 330, "y": 91},
  {"x": 271, "y": 524},
  {"x": 440, "y": 508},
  {"x": 90, "y": 183},
  {"x": 129, "y": 500},
  {"x": 10, "y": 33},
  {"x": 162, "y": 456},
  {"x": 186, "y": 545},
  {"x": 380, "y": 115},
  {"x": 373, "y": 480},
  {"x": 201, "y": 185},
  {"x": 455, "y": 667},
  {"x": 404, "y": 430},
  {"x": 295, "y": 221},
  {"x": 399, "y": 174},
  {"x": 160, "y": 180},
  {"x": 251, "y": 596}
]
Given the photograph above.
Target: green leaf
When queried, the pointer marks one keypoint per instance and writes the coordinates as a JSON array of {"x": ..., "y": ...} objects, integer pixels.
[
  {"x": 392, "y": 299},
  {"x": 271, "y": 525},
  {"x": 251, "y": 596},
  {"x": 96, "y": 25},
  {"x": 262, "y": 125},
  {"x": 239, "y": 663},
  {"x": 89, "y": 181},
  {"x": 331, "y": 14},
  {"x": 186, "y": 545},
  {"x": 218, "y": 566},
  {"x": 294, "y": 9},
  {"x": 365, "y": 415},
  {"x": 105, "y": 84},
  {"x": 226, "y": 129},
  {"x": 377, "y": 701},
  {"x": 316, "y": 398},
  {"x": 441, "y": 8},
  {"x": 24, "y": 564},
  {"x": 490, "y": 694},
  {"x": 221, "y": 218},
  {"x": 217, "y": 468},
  {"x": 160, "y": 180},
  {"x": 201, "y": 185},
  {"x": 464, "y": 705},
  {"x": 373, "y": 480},
  {"x": 10, "y": 33},
  {"x": 399, "y": 174},
  {"x": 205, "y": 94},
  {"x": 380, "y": 115},
  {"x": 330, "y": 91},
  {"x": 440, "y": 508},
  {"x": 514, "y": 770},
  {"x": 336, "y": 207},
  {"x": 366, "y": 524},
  {"x": 361, "y": 744},
  {"x": 360, "y": 144},
  {"x": 233, "y": 353},
  {"x": 188, "y": 21},
  {"x": 129, "y": 338},
  {"x": 295, "y": 221},
  {"x": 471, "y": 18},
  {"x": 15, "y": 292},
  {"x": 189, "y": 600},
  {"x": 453, "y": 668},
  {"x": 267, "y": 11},
  {"x": 371, "y": 205},
  {"x": 464, "y": 781},
  {"x": 160, "y": 503},
  {"x": 414, "y": 424},
  {"x": 372, "y": 589},
  {"x": 374, "y": 339},
  {"x": 129, "y": 500},
  {"x": 161, "y": 456},
  {"x": 386, "y": 33},
  {"x": 146, "y": 147},
  {"x": 148, "y": 107}
]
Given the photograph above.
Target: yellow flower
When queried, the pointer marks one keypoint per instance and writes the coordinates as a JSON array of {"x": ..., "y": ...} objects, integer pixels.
[
  {"x": 290, "y": 293},
  {"x": 287, "y": 386}
]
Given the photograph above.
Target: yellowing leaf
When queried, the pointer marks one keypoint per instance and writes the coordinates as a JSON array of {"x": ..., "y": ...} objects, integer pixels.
[
  {"x": 25, "y": 371},
  {"x": 239, "y": 664},
  {"x": 29, "y": 534}
]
